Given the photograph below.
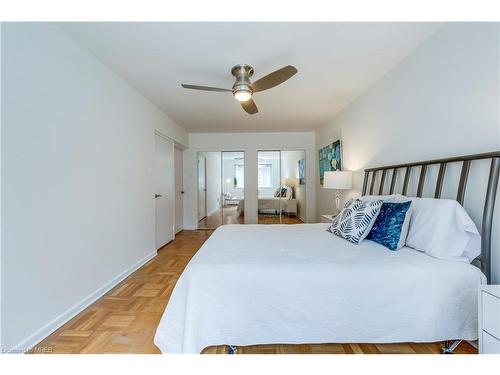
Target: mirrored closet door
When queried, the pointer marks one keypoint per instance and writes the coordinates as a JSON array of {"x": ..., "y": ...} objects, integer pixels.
[
  {"x": 281, "y": 186},
  {"x": 233, "y": 187},
  {"x": 221, "y": 182}
]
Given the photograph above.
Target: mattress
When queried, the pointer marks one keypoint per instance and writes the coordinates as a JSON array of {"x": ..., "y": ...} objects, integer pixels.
[{"x": 263, "y": 284}]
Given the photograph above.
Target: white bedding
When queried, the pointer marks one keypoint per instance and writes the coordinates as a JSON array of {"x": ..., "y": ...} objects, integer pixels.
[{"x": 262, "y": 284}]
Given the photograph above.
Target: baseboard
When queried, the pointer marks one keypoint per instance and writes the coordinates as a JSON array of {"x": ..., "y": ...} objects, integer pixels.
[{"x": 29, "y": 342}]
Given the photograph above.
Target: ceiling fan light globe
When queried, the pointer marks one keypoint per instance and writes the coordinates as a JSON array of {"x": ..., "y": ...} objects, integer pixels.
[{"x": 242, "y": 95}]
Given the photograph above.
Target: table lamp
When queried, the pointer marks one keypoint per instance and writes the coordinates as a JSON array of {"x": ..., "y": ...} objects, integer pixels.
[{"x": 338, "y": 180}]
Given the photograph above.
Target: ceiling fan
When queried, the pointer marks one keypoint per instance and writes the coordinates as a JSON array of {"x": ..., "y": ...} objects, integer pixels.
[{"x": 243, "y": 89}]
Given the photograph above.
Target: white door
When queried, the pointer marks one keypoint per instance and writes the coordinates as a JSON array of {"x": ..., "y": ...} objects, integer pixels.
[
  {"x": 164, "y": 190},
  {"x": 178, "y": 190},
  {"x": 202, "y": 187}
]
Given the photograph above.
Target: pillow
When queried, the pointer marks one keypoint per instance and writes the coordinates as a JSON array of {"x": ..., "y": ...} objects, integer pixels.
[
  {"x": 391, "y": 227},
  {"x": 284, "y": 192},
  {"x": 355, "y": 220},
  {"x": 442, "y": 228},
  {"x": 280, "y": 192}
]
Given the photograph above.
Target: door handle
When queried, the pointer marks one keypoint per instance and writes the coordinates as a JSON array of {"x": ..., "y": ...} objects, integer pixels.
[{"x": 158, "y": 195}]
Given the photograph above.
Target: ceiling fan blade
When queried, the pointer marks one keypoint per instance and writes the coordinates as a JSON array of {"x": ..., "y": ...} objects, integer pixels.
[
  {"x": 205, "y": 88},
  {"x": 274, "y": 79},
  {"x": 249, "y": 107}
]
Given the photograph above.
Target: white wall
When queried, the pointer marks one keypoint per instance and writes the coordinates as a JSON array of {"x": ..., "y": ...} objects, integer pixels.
[
  {"x": 272, "y": 158},
  {"x": 289, "y": 164},
  {"x": 249, "y": 143},
  {"x": 77, "y": 199},
  {"x": 442, "y": 100}
]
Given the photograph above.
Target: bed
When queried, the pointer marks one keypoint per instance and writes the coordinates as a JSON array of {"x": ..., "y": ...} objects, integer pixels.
[
  {"x": 258, "y": 284},
  {"x": 231, "y": 293}
]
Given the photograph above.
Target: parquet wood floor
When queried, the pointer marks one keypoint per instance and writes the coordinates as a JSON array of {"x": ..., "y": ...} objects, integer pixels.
[
  {"x": 230, "y": 216},
  {"x": 125, "y": 319},
  {"x": 275, "y": 219}
]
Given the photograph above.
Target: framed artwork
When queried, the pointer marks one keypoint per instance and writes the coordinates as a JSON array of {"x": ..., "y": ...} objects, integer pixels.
[
  {"x": 330, "y": 159},
  {"x": 302, "y": 171}
]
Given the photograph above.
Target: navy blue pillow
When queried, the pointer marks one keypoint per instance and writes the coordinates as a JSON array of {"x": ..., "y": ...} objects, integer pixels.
[{"x": 389, "y": 224}]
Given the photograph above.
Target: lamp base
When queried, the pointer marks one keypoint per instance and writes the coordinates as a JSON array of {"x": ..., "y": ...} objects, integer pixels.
[{"x": 338, "y": 195}]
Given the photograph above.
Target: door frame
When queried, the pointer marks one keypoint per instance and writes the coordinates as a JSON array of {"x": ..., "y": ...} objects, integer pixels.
[
  {"x": 163, "y": 136},
  {"x": 182, "y": 148}
]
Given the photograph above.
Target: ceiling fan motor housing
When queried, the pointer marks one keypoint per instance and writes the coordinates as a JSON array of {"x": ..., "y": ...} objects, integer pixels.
[
  {"x": 242, "y": 72},
  {"x": 243, "y": 89}
]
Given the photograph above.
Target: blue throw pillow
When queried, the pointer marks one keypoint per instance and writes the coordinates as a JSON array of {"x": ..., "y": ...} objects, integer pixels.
[{"x": 391, "y": 227}]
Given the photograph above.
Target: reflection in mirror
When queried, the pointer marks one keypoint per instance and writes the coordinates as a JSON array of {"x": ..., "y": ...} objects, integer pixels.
[
  {"x": 233, "y": 187},
  {"x": 281, "y": 187},
  {"x": 268, "y": 177},
  {"x": 293, "y": 177}
]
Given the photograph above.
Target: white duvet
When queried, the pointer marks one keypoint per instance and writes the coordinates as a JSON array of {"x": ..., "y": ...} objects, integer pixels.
[{"x": 263, "y": 284}]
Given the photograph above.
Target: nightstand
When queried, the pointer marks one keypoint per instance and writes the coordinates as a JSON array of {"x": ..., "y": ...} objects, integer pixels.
[
  {"x": 327, "y": 218},
  {"x": 489, "y": 319},
  {"x": 291, "y": 207}
]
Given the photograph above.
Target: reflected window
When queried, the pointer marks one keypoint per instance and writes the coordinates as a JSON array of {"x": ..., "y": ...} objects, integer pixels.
[{"x": 265, "y": 174}]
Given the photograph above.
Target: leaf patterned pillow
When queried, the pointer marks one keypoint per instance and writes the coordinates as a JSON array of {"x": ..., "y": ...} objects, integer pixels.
[
  {"x": 280, "y": 192},
  {"x": 356, "y": 219}
]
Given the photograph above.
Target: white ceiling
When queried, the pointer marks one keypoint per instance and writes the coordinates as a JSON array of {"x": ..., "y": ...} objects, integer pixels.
[{"x": 336, "y": 62}]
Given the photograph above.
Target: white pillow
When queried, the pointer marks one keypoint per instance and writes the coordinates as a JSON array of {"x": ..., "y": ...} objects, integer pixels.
[
  {"x": 385, "y": 198},
  {"x": 442, "y": 228}
]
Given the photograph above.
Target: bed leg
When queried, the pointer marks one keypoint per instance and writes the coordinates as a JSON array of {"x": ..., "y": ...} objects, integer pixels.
[
  {"x": 450, "y": 346},
  {"x": 232, "y": 349}
]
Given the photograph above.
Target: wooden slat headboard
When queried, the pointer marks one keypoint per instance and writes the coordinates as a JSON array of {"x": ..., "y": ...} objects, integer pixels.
[{"x": 489, "y": 202}]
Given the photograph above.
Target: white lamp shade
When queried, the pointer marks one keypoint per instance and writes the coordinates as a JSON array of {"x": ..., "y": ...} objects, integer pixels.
[{"x": 341, "y": 180}]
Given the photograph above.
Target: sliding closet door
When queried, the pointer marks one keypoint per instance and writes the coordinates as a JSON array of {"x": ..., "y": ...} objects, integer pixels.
[
  {"x": 293, "y": 179},
  {"x": 209, "y": 190},
  {"x": 202, "y": 187},
  {"x": 269, "y": 187},
  {"x": 233, "y": 187},
  {"x": 281, "y": 184}
]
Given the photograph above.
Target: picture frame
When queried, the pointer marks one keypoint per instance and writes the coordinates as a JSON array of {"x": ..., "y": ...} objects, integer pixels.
[{"x": 330, "y": 159}]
